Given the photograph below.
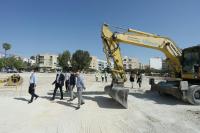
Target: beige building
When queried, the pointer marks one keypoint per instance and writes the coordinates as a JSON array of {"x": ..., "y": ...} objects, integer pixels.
[
  {"x": 102, "y": 64},
  {"x": 130, "y": 63},
  {"x": 143, "y": 66},
  {"x": 1, "y": 55},
  {"x": 94, "y": 63},
  {"x": 47, "y": 62},
  {"x": 155, "y": 63},
  {"x": 99, "y": 64}
]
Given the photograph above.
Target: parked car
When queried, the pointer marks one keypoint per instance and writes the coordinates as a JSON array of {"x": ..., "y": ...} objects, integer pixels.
[{"x": 12, "y": 71}]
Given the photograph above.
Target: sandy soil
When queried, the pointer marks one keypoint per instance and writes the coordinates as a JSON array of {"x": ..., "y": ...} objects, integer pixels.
[{"x": 147, "y": 112}]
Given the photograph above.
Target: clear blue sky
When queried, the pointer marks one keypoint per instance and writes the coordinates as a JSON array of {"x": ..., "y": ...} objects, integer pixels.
[{"x": 38, "y": 26}]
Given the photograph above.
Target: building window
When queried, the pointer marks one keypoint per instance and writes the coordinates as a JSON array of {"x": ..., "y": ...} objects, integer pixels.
[
  {"x": 130, "y": 66},
  {"x": 41, "y": 59}
]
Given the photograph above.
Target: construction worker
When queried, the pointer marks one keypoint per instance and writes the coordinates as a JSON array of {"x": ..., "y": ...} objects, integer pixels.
[
  {"x": 132, "y": 78},
  {"x": 102, "y": 77},
  {"x": 139, "y": 79},
  {"x": 106, "y": 77},
  {"x": 96, "y": 76}
]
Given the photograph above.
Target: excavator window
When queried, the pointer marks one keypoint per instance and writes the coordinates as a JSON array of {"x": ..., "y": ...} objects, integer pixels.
[{"x": 191, "y": 59}]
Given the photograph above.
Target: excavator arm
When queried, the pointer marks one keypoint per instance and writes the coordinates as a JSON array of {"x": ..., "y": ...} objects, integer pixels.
[
  {"x": 138, "y": 38},
  {"x": 112, "y": 51},
  {"x": 111, "y": 42}
]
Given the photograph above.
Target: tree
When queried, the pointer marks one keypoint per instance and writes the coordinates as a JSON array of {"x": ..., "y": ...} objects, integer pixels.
[
  {"x": 2, "y": 63},
  {"x": 32, "y": 57},
  {"x": 64, "y": 60},
  {"x": 12, "y": 62},
  {"x": 19, "y": 64},
  {"x": 81, "y": 60},
  {"x": 6, "y": 46}
]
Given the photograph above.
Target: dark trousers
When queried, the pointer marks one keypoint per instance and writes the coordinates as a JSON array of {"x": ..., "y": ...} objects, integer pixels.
[
  {"x": 80, "y": 97},
  {"x": 72, "y": 95},
  {"x": 139, "y": 81},
  {"x": 67, "y": 86},
  {"x": 32, "y": 91},
  {"x": 56, "y": 88}
]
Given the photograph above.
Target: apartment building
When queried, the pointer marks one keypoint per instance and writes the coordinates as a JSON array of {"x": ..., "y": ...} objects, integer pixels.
[
  {"x": 94, "y": 63},
  {"x": 47, "y": 62},
  {"x": 130, "y": 63},
  {"x": 99, "y": 64},
  {"x": 155, "y": 63}
]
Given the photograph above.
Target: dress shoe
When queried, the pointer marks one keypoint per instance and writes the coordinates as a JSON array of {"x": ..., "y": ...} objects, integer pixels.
[
  {"x": 36, "y": 97},
  {"x": 52, "y": 99},
  {"x": 30, "y": 102},
  {"x": 70, "y": 99}
]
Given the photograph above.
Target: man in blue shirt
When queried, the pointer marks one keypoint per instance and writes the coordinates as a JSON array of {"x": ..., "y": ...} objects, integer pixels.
[
  {"x": 32, "y": 86},
  {"x": 80, "y": 86}
]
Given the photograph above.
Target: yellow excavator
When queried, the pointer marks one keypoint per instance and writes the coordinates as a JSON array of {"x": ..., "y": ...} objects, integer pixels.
[
  {"x": 185, "y": 64},
  {"x": 13, "y": 80}
]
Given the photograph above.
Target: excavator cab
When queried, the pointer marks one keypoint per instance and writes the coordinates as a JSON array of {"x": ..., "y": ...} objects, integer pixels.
[{"x": 191, "y": 63}]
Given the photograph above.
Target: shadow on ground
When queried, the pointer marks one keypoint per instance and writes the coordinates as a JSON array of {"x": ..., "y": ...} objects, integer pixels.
[
  {"x": 93, "y": 93},
  {"x": 46, "y": 97},
  {"x": 67, "y": 104},
  {"x": 65, "y": 94},
  {"x": 64, "y": 102},
  {"x": 104, "y": 102},
  {"x": 50, "y": 97},
  {"x": 21, "y": 99},
  {"x": 159, "y": 99}
]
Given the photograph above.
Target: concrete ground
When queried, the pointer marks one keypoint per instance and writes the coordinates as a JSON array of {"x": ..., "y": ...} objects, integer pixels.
[{"x": 147, "y": 111}]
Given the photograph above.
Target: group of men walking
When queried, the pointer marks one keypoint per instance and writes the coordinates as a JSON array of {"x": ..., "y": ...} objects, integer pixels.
[
  {"x": 138, "y": 78},
  {"x": 69, "y": 79},
  {"x": 102, "y": 75}
]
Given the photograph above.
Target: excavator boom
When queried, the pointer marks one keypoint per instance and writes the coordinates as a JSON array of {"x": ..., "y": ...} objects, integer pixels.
[{"x": 111, "y": 42}]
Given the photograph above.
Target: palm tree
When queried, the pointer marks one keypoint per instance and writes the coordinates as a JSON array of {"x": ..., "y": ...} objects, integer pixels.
[{"x": 6, "y": 46}]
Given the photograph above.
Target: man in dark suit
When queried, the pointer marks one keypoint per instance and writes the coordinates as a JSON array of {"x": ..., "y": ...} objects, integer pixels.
[{"x": 59, "y": 82}]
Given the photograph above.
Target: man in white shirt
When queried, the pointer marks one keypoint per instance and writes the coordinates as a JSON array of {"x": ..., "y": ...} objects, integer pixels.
[{"x": 32, "y": 86}]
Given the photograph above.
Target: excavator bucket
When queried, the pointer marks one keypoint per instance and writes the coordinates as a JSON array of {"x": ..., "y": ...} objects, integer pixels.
[{"x": 118, "y": 93}]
